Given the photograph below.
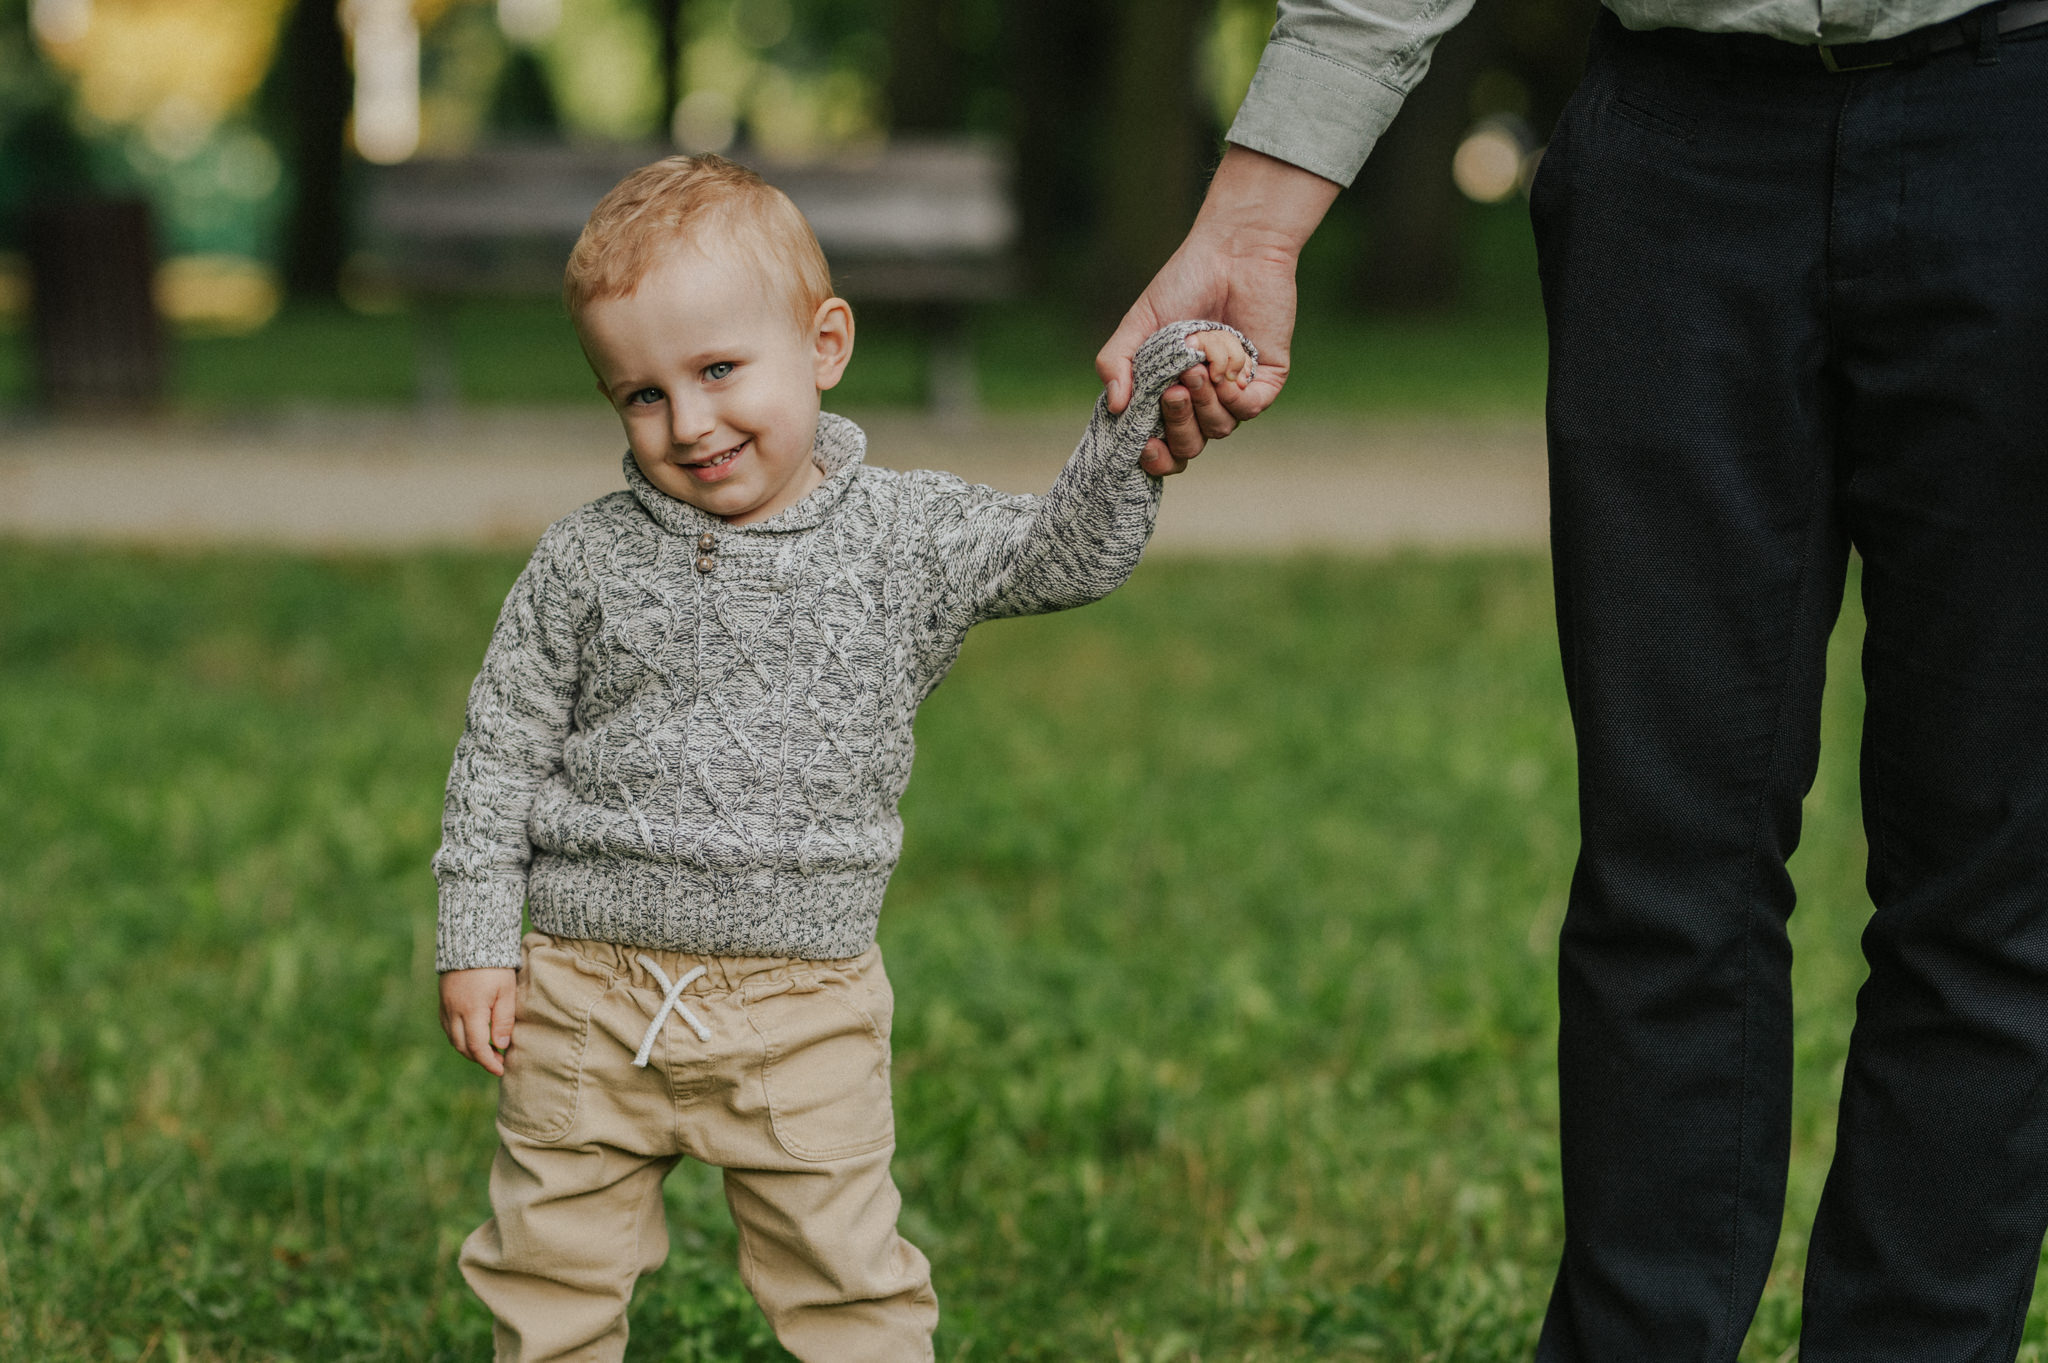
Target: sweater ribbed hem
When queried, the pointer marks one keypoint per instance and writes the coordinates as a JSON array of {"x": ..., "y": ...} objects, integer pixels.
[{"x": 813, "y": 915}]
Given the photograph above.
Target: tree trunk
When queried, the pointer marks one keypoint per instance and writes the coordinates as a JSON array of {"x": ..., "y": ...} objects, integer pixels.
[
  {"x": 668, "y": 24},
  {"x": 927, "y": 85},
  {"x": 1414, "y": 213},
  {"x": 1149, "y": 167},
  {"x": 98, "y": 341},
  {"x": 311, "y": 88},
  {"x": 1055, "y": 52}
]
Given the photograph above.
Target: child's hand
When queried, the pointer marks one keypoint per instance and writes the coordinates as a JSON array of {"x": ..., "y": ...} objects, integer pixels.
[
  {"x": 1227, "y": 361},
  {"x": 476, "y": 1012}
]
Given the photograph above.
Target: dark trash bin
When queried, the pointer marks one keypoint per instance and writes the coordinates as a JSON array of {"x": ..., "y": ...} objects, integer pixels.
[{"x": 99, "y": 344}]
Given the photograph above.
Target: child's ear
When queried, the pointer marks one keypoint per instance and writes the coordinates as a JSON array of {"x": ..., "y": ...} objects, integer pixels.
[{"x": 831, "y": 341}]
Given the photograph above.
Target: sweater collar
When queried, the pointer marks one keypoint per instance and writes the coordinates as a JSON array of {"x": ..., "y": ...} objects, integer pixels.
[{"x": 838, "y": 449}]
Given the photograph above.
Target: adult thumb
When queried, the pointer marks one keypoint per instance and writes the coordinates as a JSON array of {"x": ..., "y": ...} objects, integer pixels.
[{"x": 1113, "y": 361}]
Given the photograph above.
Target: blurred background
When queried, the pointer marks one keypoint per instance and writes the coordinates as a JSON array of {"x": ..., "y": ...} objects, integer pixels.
[
  {"x": 1224, "y": 935},
  {"x": 263, "y": 176}
]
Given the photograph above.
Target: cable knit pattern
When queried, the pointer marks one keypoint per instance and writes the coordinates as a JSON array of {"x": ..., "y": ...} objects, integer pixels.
[{"x": 710, "y": 761}]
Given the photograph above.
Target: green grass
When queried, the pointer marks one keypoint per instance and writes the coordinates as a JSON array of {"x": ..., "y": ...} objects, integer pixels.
[{"x": 1223, "y": 939}]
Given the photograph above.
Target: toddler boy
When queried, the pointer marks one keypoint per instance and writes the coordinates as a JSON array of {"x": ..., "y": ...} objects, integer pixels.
[{"x": 683, "y": 757}]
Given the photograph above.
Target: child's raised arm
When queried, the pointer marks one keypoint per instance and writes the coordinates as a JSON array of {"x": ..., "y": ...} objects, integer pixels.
[{"x": 1001, "y": 554}]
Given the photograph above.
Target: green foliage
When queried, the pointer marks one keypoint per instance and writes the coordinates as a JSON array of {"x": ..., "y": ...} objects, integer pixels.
[{"x": 1223, "y": 943}]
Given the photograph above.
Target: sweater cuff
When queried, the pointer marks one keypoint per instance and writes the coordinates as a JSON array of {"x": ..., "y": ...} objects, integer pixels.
[
  {"x": 1312, "y": 112},
  {"x": 479, "y": 924},
  {"x": 1165, "y": 355}
]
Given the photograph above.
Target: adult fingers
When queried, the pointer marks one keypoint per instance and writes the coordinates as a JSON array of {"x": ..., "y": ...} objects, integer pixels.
[
  {"x": 1113, "y": 361},
  {"x": 1159, "y": 461},
  {"x": 1178, "y": 425}
]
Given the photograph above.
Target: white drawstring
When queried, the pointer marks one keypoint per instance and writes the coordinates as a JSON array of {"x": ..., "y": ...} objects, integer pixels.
[{"x": 672, "y": 1000}]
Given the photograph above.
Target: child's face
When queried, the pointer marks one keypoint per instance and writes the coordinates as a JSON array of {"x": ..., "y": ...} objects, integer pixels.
[{"x": 716, "y": 383}]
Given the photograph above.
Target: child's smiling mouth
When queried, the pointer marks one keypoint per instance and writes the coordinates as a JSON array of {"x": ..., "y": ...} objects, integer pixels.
[{"x": 711, "y": 470}]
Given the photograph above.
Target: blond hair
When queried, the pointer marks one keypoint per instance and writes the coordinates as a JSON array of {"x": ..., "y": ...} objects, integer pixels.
[{"x": 683, "y": 199}]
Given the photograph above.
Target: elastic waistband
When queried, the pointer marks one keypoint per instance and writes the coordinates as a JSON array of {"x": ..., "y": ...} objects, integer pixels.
[
  {"x": 2019, "y": 19},
  {"x": 722, "y": 974}
]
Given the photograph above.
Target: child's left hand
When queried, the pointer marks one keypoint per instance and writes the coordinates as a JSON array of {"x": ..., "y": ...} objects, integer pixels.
[{"x": 1226, "y": 360}]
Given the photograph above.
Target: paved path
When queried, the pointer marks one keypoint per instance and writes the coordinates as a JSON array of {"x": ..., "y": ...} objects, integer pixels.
[{"x": 388, "y": 480}]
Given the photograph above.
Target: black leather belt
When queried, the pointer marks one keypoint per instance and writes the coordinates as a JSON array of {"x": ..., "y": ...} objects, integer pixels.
[
  {"x": 1960, "y": 31},
  {"x": 1982, "y": 28}
]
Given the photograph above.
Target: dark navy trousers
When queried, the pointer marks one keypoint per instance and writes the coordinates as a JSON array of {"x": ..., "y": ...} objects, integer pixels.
[{"x": 1794, "y": 313}]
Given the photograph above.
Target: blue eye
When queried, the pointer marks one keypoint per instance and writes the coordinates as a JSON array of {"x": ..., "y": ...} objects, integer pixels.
[
  {"x": 715, "y": 372},
  {"x": 646, "y": 397}
]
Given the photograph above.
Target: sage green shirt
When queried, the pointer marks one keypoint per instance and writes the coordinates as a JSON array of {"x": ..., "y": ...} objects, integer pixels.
[{"x": 1335, "y": 72}]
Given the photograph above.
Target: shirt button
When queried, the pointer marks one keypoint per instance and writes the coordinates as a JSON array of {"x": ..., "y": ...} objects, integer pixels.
[
  {"x": 706, "y": 542},
  {"x": 706, "y": 564}
]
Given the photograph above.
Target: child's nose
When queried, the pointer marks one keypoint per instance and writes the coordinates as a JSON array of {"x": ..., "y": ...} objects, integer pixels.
[{"x": 690, "y": 420}]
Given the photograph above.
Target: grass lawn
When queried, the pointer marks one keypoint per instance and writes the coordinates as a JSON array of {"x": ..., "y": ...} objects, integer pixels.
[{"x": 1223, "y": 940}]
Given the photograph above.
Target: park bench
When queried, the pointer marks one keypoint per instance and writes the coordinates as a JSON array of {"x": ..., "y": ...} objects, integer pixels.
[{"x": 928, "y": 225}]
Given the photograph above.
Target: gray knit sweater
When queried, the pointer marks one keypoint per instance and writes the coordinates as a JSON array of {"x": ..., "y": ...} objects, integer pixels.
[{"x": 693, "y": 735}]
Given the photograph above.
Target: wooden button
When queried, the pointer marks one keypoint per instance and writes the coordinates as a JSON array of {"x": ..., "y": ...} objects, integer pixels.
[
  {"x": 706, "y": 564},
  {"x": 706, "y": 542}
]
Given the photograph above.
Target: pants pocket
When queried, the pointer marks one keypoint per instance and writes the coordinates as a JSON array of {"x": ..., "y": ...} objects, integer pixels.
[
  {"x": 542, "y": 1088},
  {"x": 825, "y": 1068}
]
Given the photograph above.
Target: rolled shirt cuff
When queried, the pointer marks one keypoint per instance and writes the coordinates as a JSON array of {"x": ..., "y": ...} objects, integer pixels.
[
  {"x": 479, "y": 924},
  {"x": 1312, "y": 112}
]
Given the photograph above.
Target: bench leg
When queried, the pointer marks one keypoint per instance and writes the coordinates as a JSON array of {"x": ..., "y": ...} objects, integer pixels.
[
  {"x": 950, "y": 387},
  {"x": 437, "y": 382}
]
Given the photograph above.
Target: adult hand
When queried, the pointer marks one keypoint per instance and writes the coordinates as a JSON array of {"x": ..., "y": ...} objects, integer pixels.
[
  {"x": 1236, "y": 266},
  {"x": 476, "y": 1013}
]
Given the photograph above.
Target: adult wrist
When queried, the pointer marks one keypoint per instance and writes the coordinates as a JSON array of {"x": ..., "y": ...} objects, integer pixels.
[{"x": 1259, "y": 205}]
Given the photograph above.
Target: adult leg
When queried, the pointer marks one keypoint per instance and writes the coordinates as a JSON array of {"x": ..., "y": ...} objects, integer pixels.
[
  {"x": 1681, "y": 218},
  {"x": 1930, "y": 1228}
]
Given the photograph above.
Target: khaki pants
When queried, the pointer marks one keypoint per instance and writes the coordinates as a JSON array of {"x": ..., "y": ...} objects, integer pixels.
[{"x": 790, "y": 1096}]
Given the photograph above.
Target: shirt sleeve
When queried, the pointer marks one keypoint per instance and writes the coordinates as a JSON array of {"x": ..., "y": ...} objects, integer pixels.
[
  {"x": 999, "y": 554},
  {"x": 1334, "y": 74},
  {"x": 512, "y": 740}
]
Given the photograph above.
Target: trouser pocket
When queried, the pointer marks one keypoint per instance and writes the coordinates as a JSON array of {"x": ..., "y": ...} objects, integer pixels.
[
  {"x": 541, "y": 1092},
  {"x": 825, "y": 1063}
]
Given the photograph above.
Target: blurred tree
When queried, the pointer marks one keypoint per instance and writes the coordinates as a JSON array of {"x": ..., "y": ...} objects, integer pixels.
[
  {"x": 90, "y": 245},
  {"x": 1154, "y": 144},
  {"x": 1544, "y": 45},
  {"x": 1414, "y": 214},
  {"x": 927, "y": 81},
  {"x": 668, "y": 25},
  {"x": 523, "y": 104},
  {"x": 1522, "y": 58},
  {"x": 1056, "y": 69},
  {"x": 307, "y": 99},
  {"x": 41, "y": 154}
]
